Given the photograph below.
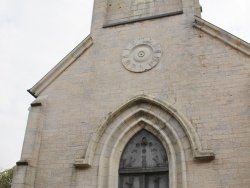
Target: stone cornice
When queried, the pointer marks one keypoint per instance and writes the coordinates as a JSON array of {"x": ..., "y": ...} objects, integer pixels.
[
  {"x": 223, "y": 35},
  {"x": 61, "y": 66}
]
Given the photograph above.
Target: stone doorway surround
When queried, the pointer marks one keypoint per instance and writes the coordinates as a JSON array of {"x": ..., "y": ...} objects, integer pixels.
[{"x": 170, "y": 126}]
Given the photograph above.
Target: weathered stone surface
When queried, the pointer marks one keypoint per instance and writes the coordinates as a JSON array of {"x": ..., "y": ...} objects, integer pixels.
[
  {"x": 141, "y": 55},
  {"x": 125, "y": 10},
  {"x": 203, "y": 78}
]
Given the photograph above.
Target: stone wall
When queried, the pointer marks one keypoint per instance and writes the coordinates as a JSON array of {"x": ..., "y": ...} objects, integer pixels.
[
  {"x": 200, "y": 76},
  {"x": 125, "y": 10}
]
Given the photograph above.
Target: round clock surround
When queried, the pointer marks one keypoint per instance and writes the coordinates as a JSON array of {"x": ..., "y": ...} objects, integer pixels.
[{"x": 141, "y": 55}]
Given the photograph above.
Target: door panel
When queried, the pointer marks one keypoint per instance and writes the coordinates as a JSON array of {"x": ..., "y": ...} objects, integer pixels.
[
  {"x": 156, "y": 181},
  {"x": 131, "y": 181},
  {"x": 144, "y": 181}
]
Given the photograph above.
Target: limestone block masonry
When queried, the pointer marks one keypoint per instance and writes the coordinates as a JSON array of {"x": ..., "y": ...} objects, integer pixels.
[
  {"x": 127, "y": 10},
  {"x": 143, "y": 67}
]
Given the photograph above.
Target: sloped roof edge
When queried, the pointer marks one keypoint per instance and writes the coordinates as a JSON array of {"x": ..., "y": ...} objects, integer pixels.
[
  {"x": 61, "y": 66},
  {"x": 223, "y": 35}
]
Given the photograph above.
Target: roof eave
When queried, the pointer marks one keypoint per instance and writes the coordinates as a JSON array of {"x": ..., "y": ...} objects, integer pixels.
[
  {"x": 223, "y": 35},
  {"x": 60, "y": 67}
]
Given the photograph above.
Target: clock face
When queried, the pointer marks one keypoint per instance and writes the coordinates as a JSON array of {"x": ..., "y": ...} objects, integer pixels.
[{"x": 141, "y": 55}]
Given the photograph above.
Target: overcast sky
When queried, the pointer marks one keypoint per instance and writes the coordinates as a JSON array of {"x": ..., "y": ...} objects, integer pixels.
[{"x": 35, "y": 35}]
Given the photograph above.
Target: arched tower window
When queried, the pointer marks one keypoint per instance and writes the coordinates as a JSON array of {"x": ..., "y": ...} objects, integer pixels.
[{"x": 144, "y": 163}]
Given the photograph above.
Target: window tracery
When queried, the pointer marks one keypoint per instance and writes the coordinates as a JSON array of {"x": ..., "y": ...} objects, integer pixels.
[{"x": 143, "y": 163}]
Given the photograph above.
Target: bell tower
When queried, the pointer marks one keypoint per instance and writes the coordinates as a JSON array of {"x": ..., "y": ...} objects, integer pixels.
[{"x": 110, "y": 13}]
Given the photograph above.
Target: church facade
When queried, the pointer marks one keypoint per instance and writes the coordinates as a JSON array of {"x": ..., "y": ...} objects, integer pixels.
[{"x": 154, "y": 97}]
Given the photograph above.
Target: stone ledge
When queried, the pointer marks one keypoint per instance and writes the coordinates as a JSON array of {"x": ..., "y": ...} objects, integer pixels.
[
  {"x": 204, "y": 156},
  {"x": 22, "y": 163},
  {"x": 40, "y": 101},
  {"x": 141, "y": 19},
  {"x": 81, "y": 163}
]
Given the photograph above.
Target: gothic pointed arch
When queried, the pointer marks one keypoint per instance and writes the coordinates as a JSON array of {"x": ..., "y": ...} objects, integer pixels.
[
  {"x": 144, "y": 162},
  {"x": 170, "y": 126}
]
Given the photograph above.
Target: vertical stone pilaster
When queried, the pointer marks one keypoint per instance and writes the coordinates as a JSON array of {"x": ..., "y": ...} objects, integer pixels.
[
  {"x": 25, "y": 169},
  {"x": 99, "y": 16}
]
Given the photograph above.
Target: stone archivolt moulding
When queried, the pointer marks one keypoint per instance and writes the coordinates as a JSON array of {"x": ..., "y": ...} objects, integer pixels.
[
  {"x": 141, "y": 55},
  {"x": 161, "y": 119}
]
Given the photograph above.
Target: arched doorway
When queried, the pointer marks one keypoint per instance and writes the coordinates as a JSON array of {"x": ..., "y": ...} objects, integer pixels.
[
  {"x": 144, "y": 163},
  {"x": 172, "y": 129}
]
